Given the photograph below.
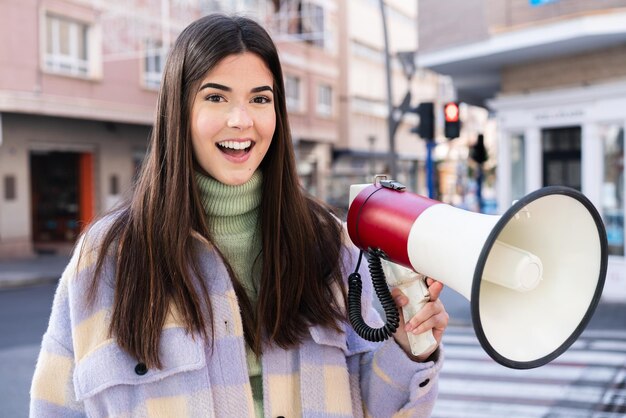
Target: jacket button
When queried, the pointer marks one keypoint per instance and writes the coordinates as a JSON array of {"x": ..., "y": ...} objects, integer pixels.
[
  {"x": 141, "y": 369},
  {"x": 424, "y": 383}
]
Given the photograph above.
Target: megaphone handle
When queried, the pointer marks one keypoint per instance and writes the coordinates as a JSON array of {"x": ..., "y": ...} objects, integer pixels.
[{"x": 417, "y": 293}]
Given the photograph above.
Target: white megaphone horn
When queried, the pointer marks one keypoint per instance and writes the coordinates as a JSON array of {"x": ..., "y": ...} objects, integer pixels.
[{"x": 533, "y": 275}]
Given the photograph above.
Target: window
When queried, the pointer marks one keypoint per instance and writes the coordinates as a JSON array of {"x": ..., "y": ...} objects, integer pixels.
[
  {"x": 313, "y": 24},
  {"x": 303, "y": 19},
  {"x": 324, "y": 100},
  {"x": 67, "y": 46},
  {"x": 154, "y": 62},
  {"x": 368, "y": 52},
  {"x": 518, "y": 164},
  {"x": 562, "y": 157},
  {"x": 292, "y": 93},
  {"x": 613, "y": 187}
]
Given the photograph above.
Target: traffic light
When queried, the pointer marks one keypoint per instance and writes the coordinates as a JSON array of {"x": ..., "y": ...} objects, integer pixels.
[
  {"x": 452, "y": 123},
  {"x": 426, "y": 127},
  {"x": 478, "y": 152}
]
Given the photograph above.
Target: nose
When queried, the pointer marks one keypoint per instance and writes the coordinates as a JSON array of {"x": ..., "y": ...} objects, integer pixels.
[{"x": 239, "y": 118}]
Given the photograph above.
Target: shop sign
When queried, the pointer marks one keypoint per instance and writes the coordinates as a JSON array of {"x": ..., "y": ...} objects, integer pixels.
[{"x": 541, "y": 2}]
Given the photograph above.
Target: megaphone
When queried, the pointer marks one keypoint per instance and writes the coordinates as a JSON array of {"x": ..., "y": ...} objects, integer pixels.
[{"x": 533, "y": 276}]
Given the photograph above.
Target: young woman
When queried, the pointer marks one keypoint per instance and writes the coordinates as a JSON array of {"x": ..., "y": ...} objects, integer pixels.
[{"x": 219, "y": 288}]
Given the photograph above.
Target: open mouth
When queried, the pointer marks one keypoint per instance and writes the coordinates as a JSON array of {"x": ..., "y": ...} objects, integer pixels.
[{"x": 235, "y": 148}]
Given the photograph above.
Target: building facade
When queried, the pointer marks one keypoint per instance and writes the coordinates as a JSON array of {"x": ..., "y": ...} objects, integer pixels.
[
  {"x": 78, "y": 89},
  {"x": 553, "y": 76},
  {"x": 74, "y": 122},
  {"x": 363, "y": 146},
  {"x": 307, "y": 36},
  {"x": 79, "y": 82}
]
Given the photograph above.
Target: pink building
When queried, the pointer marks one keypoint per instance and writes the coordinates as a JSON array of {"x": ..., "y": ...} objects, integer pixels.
[{"x": 78, "y": 88}]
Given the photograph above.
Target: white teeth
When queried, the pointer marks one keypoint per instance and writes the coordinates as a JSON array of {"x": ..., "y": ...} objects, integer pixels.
[{"x": 235, "y": 144}]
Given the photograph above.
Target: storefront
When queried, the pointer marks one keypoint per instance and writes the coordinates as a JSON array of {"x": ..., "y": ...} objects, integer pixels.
[
  {"x": 58, "y": 174},
  {"x": 572, "y": 137}
]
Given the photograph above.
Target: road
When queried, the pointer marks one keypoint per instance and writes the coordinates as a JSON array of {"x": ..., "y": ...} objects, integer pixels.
[
  {"x": 587, "y": 381},
  {"x": 24, "y": 314}
]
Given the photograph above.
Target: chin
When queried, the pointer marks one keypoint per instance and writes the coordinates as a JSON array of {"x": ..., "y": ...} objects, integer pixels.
[{"x": 235, "y": 180}]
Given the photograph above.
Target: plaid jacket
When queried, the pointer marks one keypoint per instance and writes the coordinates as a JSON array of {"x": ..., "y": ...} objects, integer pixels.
[{"x": 82, "y": 372}]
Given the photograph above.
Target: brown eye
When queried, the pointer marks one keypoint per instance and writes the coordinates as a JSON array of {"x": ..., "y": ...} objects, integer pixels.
[
  {"x": 215, "y": 98},
  {"x": 261, "y": 100}
]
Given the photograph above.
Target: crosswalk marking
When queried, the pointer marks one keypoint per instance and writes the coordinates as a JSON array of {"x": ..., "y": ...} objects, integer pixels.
[
  {"x": 519, "y": 390},
  {"x": 549, "y": 371},
  {"x": 587, "y": 381},
  {"x": 462, "y": 409},
  {"x": 605, "y": 333},
  {"x": 609, "y": 345},
  {"x": 606, "y": 358}
]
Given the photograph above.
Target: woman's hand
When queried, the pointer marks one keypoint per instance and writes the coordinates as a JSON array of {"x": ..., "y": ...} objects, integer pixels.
[{"x": 432, "y": 316}]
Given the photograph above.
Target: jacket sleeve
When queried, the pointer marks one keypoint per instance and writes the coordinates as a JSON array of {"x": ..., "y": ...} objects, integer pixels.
[
  {"x": 391, "y": 383},
  {"x": 52, "y": 388},
  {"x": 53, "y": 391}
]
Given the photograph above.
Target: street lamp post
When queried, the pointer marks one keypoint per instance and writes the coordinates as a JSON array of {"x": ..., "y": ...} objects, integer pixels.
[
  {"x": 393, "y": 171},
  {"x": 394, "y": 114}
]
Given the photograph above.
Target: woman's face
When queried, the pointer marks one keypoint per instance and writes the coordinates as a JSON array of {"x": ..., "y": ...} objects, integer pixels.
[{"x": 233, "y": 118}]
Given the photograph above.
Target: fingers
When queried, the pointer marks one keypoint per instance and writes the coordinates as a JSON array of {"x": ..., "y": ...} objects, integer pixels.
[
  {"x": 434, "y": 288},
  {"x": 399, "y": 297},
  {"x": 431, "y": 316}
]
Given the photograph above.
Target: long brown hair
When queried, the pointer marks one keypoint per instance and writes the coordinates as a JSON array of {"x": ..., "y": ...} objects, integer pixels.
[{"x": 152, "y": 235}]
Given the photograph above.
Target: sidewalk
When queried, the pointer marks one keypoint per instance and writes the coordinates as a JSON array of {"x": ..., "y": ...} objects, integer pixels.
[{"x": 31, "y": 271}]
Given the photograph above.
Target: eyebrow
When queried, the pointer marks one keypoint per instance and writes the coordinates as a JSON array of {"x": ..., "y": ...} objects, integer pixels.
[
  {"x": 262, "y": 88},
  {"x": 228, "y": 89}
]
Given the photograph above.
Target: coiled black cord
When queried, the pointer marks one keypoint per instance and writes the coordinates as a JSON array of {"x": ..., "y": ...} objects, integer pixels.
[{"x": 355, "y": 286}]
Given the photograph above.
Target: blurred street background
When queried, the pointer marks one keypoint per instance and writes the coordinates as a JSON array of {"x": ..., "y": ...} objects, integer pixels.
[{"x": 475, "y": 103}]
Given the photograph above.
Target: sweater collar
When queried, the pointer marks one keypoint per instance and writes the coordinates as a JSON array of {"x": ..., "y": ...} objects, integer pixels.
[{"x": 231, "y": 209}]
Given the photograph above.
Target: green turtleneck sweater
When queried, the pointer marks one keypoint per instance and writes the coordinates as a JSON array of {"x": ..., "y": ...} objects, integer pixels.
[{"x": 233, "y": 219}]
